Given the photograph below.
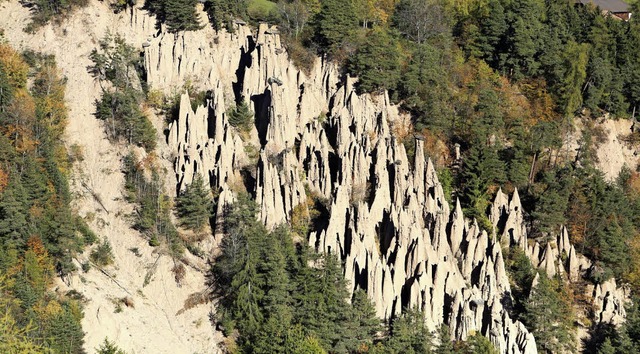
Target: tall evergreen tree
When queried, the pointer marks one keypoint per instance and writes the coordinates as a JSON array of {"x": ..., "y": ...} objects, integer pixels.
[
  {"x": 336, "y": 24},
  {"x": 181, "y": 15},
  {"x": 549, "y": 316},
  {"x": 376, "y": 63},
  {"x": 194, "y": 205},
  {"x": 409, "y": 334},
  {"x": 524, "y": 41},
  {"x": 444, "y": 336}
]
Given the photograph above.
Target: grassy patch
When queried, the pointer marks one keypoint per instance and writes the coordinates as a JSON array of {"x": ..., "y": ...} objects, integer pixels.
[{"x": 261, "y": 10}]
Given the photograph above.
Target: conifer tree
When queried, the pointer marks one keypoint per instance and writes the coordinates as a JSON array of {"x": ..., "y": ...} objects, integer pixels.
[
  {"x": 181, "y": 15},
  {"x": 361, "y": 325},
  {"x": 194, "y": 205},
  {"x": 108, "y": 347},
  {"x": 549, "y": 316},
  {"x": 409, "y": 333},
  {"x": 525, "y": 40},
  {"x": 241, "y": 117},
  {"x": 336, "y": 23},
  {"x": 445, "y": 346},
  {"x": 376, "y": 63}
]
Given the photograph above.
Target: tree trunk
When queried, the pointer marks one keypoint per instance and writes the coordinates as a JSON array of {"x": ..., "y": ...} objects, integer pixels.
[{"x": 533, "y": 168}]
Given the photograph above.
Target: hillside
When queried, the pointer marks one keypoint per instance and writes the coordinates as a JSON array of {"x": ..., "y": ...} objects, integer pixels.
[{"x": 503, "y": 226}]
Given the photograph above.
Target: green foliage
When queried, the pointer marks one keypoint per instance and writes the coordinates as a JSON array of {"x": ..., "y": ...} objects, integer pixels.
[
  {"x": 444, "y": 336},
  {"x": 153, "y": 207},
  {"x": 193, "y": 206},
  {"x": 270, "y": 294},
  {"x": 120, "y": 106},
  {"x": 241, "y": 117},
  {"x": 521, "y": 274},
  {"x": 108, "y": 347},
  {"x": 123, "y": 118},
  {"x": 262, "y": 10},
  {"x": 377, "y": 62},
  {"x": 482, "y": 170},
  {"x": 582, "y": 55},
  {"x": 102, "y": 255},
  {"x": 34, "y": 192},
  {"x": 115, "y": 61},
  {"x": 409, "y": 334},
  {"x": 549, "y": 315},
  {"x": 222, "y": 13},
  {"x": 15, "y": 339},
  {"x": 66, "y": 331},
  {"x": 178, "y": 15},
  {"x": 51, "y": 10},
  {"x": 37, "y": 120},
  {"x": 425, "y": 86},
  {"x": 570, "y": 88},
  {"x": 476, "y": 344},
  {"x": 335, "y": 26},
  {"x": 552, "y": 202}
]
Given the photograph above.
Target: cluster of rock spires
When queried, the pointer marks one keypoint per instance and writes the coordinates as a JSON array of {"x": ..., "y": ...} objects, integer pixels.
[
  {"x": 389, "y": 219},
  {"x": 559, "y": 256}
]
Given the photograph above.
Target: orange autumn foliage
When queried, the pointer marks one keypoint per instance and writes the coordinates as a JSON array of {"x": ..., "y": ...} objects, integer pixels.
[
  {"x": 35, "y": 245},
  {"x": 22, "y": 108},
  {"x": 4, "y": 180},
  {"x": 14, "y": 66},
  {"x": 633, "y": 184},
  {"x": 543, "y": 107}
]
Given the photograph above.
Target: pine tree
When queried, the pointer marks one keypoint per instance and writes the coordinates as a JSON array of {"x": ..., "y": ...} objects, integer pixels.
[
  {"x": 494, "y": 27},
  {"x": 409, "y": 334},
  {"x": 376, "y": 63},
  {"x": 426, "y": 86},
  {"x": 361, "y": 325},
  {"x": 241, "y": 117},
  {"x": 194, "y": 205},
  {"x": 13, "y": 214},
  {"x": 65, "y": 334},
  {"x": 336, "y": 24},
  {"x": 181, "y": 15},
  {"x": 525, "y": 40},
  {"x": 277, "y": 302},
  {"x": 549, "y": 315},
  {"x": 479, "y": 344},
  {"x": 445, "y": 346},
  {"x": 606, "y": 347},
  {"x": 108, "y": 347},
  {"x": 575, "y": 59},
  {"x": 482, "y": 169}
]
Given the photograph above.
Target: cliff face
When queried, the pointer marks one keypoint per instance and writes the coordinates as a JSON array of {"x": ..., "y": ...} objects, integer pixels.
[
  {"x": 155, "y": 322},
  {"x": 388, "y": 218}
]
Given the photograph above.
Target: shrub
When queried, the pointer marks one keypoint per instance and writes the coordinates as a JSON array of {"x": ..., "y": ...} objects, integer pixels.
[
  {"x": 124, "y": 120},
  {"x": 102, "y": 255},
  {"x": 240, "y": 117},
  {"x": 179, "y": 272},
  {"x": 262, "y": 10},
  {"x": 51, "y": 10},
  {"x": 108, "y": 347}
]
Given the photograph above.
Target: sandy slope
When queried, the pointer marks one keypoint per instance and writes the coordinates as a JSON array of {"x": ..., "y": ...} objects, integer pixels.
[{"x": 152, "y": 325}]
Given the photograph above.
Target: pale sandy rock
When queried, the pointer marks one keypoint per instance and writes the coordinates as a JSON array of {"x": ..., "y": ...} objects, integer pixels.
[
  {"x": 608, "y": 299},
  {"x": 389, "y": 219},
  {"x": 153, "y": 325},
  {"x": 609, "y": 302},
  {"x": 548, "y": 260}
]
